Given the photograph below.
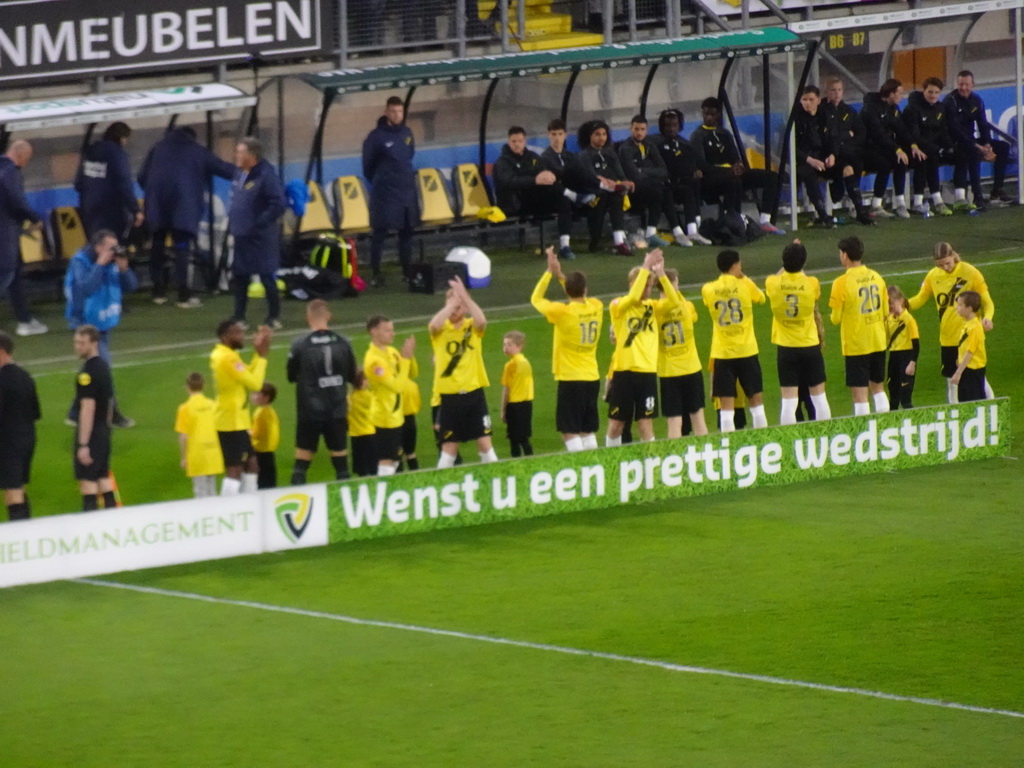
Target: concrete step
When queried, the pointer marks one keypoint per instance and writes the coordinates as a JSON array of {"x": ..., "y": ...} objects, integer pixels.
[{"x": 541, "y": 24}]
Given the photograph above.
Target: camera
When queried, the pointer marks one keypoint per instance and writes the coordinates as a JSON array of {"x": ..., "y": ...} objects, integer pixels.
[{"x": 120, "y": 252}]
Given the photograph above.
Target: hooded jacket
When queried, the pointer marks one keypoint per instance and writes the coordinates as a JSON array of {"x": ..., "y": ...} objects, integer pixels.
[
  {"x": 94, "y": 292},
  {"x": 845, "y": 127},
  {"x": 105, "y": 189},
  {"x": 513, "y": 175},
  {"x": 927, "y": 123},
  {"x": 886, "y": 130},
  {"x": 387, "y": 167}
]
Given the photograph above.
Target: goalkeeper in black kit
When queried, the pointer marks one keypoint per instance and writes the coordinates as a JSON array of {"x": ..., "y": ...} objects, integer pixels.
[{"x": 322, "y": 366}]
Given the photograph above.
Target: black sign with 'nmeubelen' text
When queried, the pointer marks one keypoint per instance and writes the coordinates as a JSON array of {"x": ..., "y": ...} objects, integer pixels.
[{"x": 71, "y": 39}]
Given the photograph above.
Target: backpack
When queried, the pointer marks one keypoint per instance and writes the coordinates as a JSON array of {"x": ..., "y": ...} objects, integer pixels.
[
  {"x": 731, "y": 229},
  {"x": 334, "y": 253}
]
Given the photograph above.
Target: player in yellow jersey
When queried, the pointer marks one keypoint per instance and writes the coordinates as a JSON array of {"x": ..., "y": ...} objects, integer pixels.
[
  {"x": 456, "y": 335},
  {"x": 412, "y": 402},
  {"x": 969, "y": 375},
  {"x": 633, "y": 393},
  {"x": 360, "y": 427},
  {"x": 679, "y": 368},
  {"x": 904, "y": 345},
  {"x": 266, "y": 435},
  {"x": 947, "y": 280},
  {"x": 387, "y": 370},
  {"x": 517, "y": 394},
  {"x": 730, "y": 300},
  {"x": 798, "y": 333},
  {"x": 577, "y": 329},
  {"x": 233, "y": 380},
  {"x": 200, "y": 450},
  {"x": 859, "y": 303}
]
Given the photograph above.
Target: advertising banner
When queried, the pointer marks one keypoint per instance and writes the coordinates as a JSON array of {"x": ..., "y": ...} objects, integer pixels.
[
  {"x": 666, "y": 469},
  {"x": 72, "y": 39},
  {"x": 129, "y": 538}
]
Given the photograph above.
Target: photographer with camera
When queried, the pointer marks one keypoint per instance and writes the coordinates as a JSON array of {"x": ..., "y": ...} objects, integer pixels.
[{"x": 97, "y": 278}]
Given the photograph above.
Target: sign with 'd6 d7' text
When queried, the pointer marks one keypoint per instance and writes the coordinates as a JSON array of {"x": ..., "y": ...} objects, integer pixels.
[{"x": 555, "y": 484}]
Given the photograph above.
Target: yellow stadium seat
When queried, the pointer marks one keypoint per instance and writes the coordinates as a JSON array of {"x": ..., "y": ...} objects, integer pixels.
[
  {"x": 317, "y": 217},
  {"x": 67, "y": 231},
  {"x": 351, "y": 204},
  {"x": 435, "y": 204},
  {"x": 470, "y": 191}
]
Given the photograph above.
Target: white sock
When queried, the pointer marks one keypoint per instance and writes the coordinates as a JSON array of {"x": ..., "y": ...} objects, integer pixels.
[
  {"x": 877, "y": 202},
  {"x": 989, "y": 393},
  {"x": 488, "y": 456},
  {"x": 677, "y": 231},
  {"x": 960, "y": 194},
  {"x": 758, "y": 416},
  {"x": 570, "y": 194},
  {"x": 952, "y": 393},
  {"x": 612, "y": 442},
  {"x": 861, "y": 409},
  {"x": 728, "y": 419},
  {"x": 383, "y": 470},
  {"x": 765, "y": 218},
  {"x": 698, "y": 221},
  {"x": 918, "y": 200},
  {"x": 937, "y": 198},
  {"x": 230, "y": 487},
  {"x": 574, "y": 444},
  {"x": 650, "y": 231},
  {"x": 648, "y": 440},
  {"x": 691, "y": 228},
  {"x": 881, "y": 401},
  {"x": 822, "y": 410},
  {"x": 788, "y": 415},
  {"x": 249, "y": 482},
  {"x": 589, "y": 442},
  {"x": 900, "y": 200},
  {"x": 618, "y": 237},
  {"x": 563, "y": 241},
  {"x": 445, "y": 461}
]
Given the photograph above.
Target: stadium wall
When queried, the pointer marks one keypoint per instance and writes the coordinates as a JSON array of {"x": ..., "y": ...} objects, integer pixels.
[{"x": 147, "y": 536}]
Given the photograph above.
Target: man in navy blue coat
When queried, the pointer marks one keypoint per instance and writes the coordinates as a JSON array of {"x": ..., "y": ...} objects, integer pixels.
[
  {"x": 104, "y": 185},
  {"x": 387, "y": 166},
  {"x": 257, "y": 203},
  {"x": 175, "y": 177},
  {"x": 965, "y": 110},
  {"x": 14, "y": 212}
]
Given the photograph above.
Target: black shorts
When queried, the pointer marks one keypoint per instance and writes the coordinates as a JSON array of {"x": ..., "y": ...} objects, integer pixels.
[
  {"x": 364, "y": 455},
  {"x": 519, "y": 420},
  {"x": 15, "y": 463},
  {"x": 334, "y": 431},
  {"x": 681, "y": 395},
  {"x": 576, "y": 407},
  {"x": 862, "y": 369},
  {"x": 387, "y": 444},
  {"x": 236, "y": 447},
  {"x": 971, "y": 386},
  {"x": 99, "y": 450},
  {"x": 745, "y": 370},
  {"x": 949, "y": 355},
  {"x": 409, "y": 435},
  {"x": 464, "y": 417},
  {"x": 633, "y": 395},
  {"x": 801, "y": 366}
]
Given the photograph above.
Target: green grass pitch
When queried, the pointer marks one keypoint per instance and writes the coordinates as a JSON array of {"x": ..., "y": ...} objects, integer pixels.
[{"x": 903, "y": 584}]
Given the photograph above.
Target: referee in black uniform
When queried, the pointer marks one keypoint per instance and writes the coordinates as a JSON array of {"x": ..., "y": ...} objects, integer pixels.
[
  {"x": 321, "y": 364},
  {"x": 94, "y": 401},
  {"x": 19, "y": 412}
]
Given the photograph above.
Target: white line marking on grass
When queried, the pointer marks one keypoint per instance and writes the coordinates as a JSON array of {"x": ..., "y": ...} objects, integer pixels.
[{"x": 669, "y": 666}]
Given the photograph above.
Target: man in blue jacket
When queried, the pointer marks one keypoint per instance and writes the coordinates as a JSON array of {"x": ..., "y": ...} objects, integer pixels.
[
  {"x": 965, "y": 112},
  {"x": 104, "y": 185},
  {"x": 257, "y": 203},
  {"x": 98, "y": 276},
  {"x": 175, "y": 176},
  {"x": 14, "y": 212},
  {"x": 387, "y": 166}
]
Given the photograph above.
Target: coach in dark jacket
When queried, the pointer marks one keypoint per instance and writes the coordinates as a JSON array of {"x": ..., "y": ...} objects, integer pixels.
[
  {"x": 14, "y": 212},
  {"x": 387, "y": 166},
  {"x": 889, "y": 147},
  {"x": 106, "y": 194},
  {"x": 175, "y": 178},
  {"x": 966, "y": 111},
  {"x": 257, "y": 203}
]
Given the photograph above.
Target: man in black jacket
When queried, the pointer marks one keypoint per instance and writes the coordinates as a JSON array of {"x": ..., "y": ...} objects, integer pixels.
[
  {"x": 966, "y": 112},
  {"x": 926, "y": 119},
  {"x": 645, "y": 167},
  {"x": 889, "y": 148},
  {"x": 684, "y": 175},
  {"x": 847, "y": 135},
  {"x": 19, "y": 412}
]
